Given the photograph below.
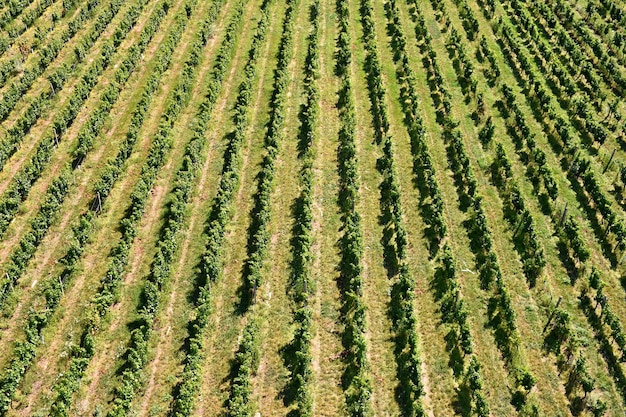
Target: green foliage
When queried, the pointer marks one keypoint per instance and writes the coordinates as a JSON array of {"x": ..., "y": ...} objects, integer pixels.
[
  {"x": 298, "y": 359},
  {"x": 403, "y": 315},
  {"x": 186, "y": 391},
  {"x": 24, "y": 352},
  {"x": 15, "y": 29},
  {"x": 423, "y": 168},
  {"x": 137, "y": 350},
  {"x": 24, "y": 252},
  {"x": 583, "y": 180},
  {"x": 244, "y": 367},
  {"x": 520, "y": 219},
  {"x": 501, "y": 312},
  {"x": 88, "y": 132},
  {"x": 558, "y": 333},
  {"x": 258, "y": 236},
  {"x": 246, "y": 359},
  {"x": 53, "y": 289},
  {"x": 47, "y": 55},
  {"x": 28, "y": 174},
  {"x": 355, "y": 379}
]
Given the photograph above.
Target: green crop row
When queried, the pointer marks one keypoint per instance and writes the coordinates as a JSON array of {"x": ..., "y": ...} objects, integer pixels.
[
  {"x": 59, "y": 75},
  {"x": 502, "y": 315},
  {"x": 258, "y": 236},
  {"x": 402, "y": 302},
  {"x": 24, "y": 352},
  {"x": 28, "y": 18},
  {"x": 355, "y": 380},
  {"x": 19, "y": 188},
  {"x": 137, "y": 351},
  {"x": 90, "y": 129},
  {"x": 110, "y": 283},
  {"x": 445, "y": 283},
  {"x": 301, "y": 285},
  {"x": 187, "y": 389},
  {"x": 557, "y": 339},
  {"x": 246, "y": 359}
]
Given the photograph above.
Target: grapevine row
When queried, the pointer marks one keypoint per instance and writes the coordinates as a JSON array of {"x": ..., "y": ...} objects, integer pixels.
[
  {"x": 28, "y": 18},
  {"x": 356, "y": 382},
  {"x": 502, "y": 316},
  {"x": 524, "y": 239},
  {"x": 591, "y": 190},
  {"x": 186, "y": 390},
  {"x": 520, "y": 219},
  {"x": 583, "y": 180},
  {"x": 606, "y": 19},
  {"x": 563, "y": 44},
  {"x": 115, "y": 167},
  {"x": 607, "y": 62},
  {"x": 37, "y": 321},
  {"x": 299, "y": 360},
  {"x": 13, "y": 10},
  {"x": 137, "y": 351},
  {"x": 246, "y": 359},
  {"x": 47, "y": 55},
  {"x": 57, "y": 78},
  {"x": 258, "y": 236},
  {"x": 402, "y": 302},
  {"x": 537, "y": 169},
  {"x": 109, "y": 285},
  {"x": 583, "y": 116},
  {"x": 557, "y": 339},
  {"x": 88, "y": 132},
  {"x": 594, "y": 290},
  {"x": 447, "y": 289},
  {"x": 23, "y": 180},
  {"x": 582, "y": 112}
]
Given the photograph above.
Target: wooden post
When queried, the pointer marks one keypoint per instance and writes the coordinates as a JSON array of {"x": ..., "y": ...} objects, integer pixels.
[
  {"x": 556, "y": 307},
  {"x": 519, "y": 225},
  {"x": 563, "y": 216},
  {"x": 606, "y": 231},
  {"x": 609, "y": 163},
  {"x": 575, "y": 159}
]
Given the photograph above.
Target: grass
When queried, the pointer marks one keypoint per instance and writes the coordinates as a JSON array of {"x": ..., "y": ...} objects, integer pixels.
[
  {"x": 274, "y": 307},
  {"x": 101, "y": 256},
  {"x": 172, "y": 322},
  {"x": 528, "y": 321},
  {"x": 149, "y": 232},
  {"x": 223, "y": 337},
  {"x": 376, "y": 282},
  {"x": 326, "y": 304},
  {"x": 89, "y": 169},
  {"x": 274, "y": 310}
]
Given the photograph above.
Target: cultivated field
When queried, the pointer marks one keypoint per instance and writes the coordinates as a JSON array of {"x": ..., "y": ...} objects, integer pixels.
[{"x": 312, "y": 208}]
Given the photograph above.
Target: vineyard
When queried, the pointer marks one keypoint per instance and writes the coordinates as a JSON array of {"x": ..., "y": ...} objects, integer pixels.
[{"x": 312, "y": 208}]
